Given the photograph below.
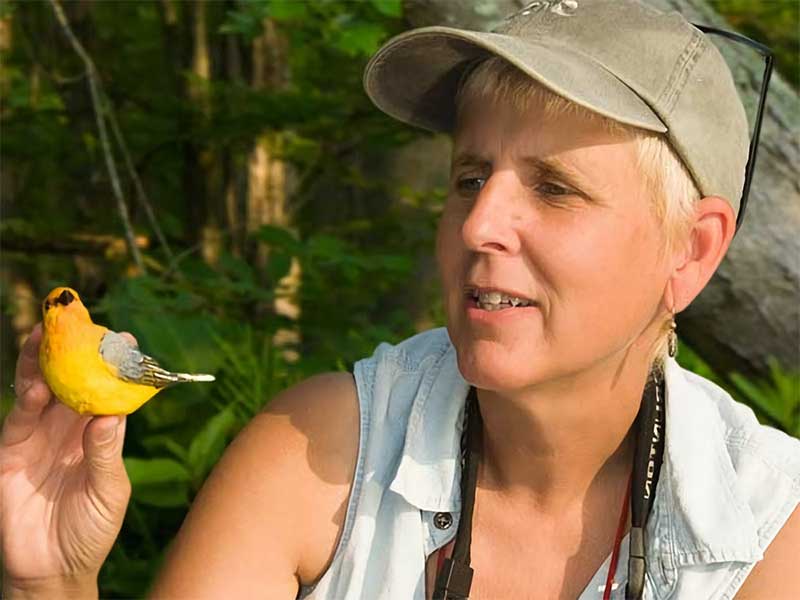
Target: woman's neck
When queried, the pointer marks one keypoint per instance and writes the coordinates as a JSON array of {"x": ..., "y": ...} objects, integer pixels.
[{"x": 549, "y": 444}]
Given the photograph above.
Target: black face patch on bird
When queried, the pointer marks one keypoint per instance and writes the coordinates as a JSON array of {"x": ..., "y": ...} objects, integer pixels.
[{"x": 65, "y": 298}]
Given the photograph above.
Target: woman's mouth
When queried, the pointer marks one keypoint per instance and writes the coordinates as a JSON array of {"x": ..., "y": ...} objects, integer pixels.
[
  {"x": 494, "y": 300},
  {"x": 498, "y": 300}
]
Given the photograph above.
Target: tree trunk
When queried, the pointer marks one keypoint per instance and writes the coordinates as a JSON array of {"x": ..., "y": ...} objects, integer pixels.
[
  {"x": 233, "y": 178},
  {"x": 750, "y": 310},
  {"x": 268, "y": 179}
]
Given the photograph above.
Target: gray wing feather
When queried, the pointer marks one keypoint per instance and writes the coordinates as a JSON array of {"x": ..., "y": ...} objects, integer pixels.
[{"x": 137, "y": 367}]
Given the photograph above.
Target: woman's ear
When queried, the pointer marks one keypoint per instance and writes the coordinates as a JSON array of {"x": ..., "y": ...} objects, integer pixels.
[{"x": 710, "y": 235}]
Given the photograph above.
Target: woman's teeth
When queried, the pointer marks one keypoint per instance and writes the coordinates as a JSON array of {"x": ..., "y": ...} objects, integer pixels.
[{"x": 498, "y": 301}]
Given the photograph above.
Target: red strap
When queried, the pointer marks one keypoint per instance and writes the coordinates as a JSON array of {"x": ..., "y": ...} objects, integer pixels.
[
  {"x": 441, "y": 556},
  {"x": 623, "y": 520}
]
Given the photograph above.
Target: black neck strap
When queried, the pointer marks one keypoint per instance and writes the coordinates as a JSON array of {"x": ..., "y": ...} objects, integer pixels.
[
  {"x": 454, "y": 580},
  {"x": 647, "y": 459}
]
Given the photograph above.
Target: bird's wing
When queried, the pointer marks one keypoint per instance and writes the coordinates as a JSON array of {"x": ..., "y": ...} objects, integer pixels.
[{"x": 132, "y": 365}]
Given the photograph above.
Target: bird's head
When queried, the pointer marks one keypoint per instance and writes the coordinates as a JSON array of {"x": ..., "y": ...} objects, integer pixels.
[{"x": 63, "y": 301}]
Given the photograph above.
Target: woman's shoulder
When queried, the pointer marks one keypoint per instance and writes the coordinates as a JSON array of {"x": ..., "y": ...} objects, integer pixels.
[
  {"x": 272, "y": 508},
  {"x": 318, "y": 424},
  {"x": 731, "y": 489},
  {"x": 755, "y": 466},
  {"x": 284, "y": 492},
  {"x": 766, "y": 462}
]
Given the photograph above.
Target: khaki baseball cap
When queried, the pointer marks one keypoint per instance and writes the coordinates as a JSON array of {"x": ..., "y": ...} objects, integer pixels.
[{"x": 620, "y": 58}]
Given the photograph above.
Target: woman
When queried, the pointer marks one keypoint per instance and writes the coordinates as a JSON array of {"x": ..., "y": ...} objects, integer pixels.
[{"x": 595, "y": 182}]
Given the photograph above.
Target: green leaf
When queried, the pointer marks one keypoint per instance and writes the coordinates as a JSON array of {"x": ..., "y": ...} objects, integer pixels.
[
  {"x": 143, "y": 471},
  {"x": 158, "y": 481},
  {"x": 691, "y": 361},
  {"x": 246, "y": 20},
  {"x": 279, "y": 265},
  {"x": 288, "y": 10},
  {"x": 170, "y": 328},
  {"x": 163, "y": 495},
  {"x": 278, "y": 237},
  {"x": 778, "y": 397},
  {"x": 208, "y": 444},
  {"x": 389, "y": 8},
  {"x": 7, "y": 10},
  {"x": 158, "y": 442},
  {"x": 360, "y": 39},
  {"x": 327, "y": 247}
]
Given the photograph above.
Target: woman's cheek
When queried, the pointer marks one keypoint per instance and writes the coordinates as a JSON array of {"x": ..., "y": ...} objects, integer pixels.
[{"x": 448, "y": 242}]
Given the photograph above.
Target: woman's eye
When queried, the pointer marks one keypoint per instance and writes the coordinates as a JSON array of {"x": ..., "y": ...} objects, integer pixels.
[
  {"x": 552, "y": 189},
  {"x": 470, "y": 184}
]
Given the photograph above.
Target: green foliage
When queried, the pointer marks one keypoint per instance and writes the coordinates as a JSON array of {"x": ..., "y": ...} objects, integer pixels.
[
  {"x": 209, "y": 321},
  {"x": 189, "y": 314},
  {"x": 772, "y": 22},
  {"x": 777, "y": 399},
  {"x": 207, "y": 445},
  {"x": 158, "y": 481},
  {"x": 356, "y": 246}
]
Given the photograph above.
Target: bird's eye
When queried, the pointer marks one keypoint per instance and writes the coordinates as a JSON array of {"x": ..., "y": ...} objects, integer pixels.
[{"x": 47, "y": 304}]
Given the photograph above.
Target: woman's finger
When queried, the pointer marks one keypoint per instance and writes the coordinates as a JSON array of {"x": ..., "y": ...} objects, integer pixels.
[
  {"x": 28, "y": 372},
  {"x": 32, "y": 393}
]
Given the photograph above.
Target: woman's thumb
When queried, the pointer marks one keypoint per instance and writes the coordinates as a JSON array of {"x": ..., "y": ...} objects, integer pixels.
[
  {"x": 108, "y": 482},
  {"x": 102, "y": 446}
]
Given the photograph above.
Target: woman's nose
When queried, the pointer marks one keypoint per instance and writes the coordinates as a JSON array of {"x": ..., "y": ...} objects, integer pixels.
[{"x": 489, "y": 226}]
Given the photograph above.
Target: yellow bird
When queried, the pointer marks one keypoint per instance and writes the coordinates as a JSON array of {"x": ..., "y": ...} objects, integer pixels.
[{"x": 92, "y": 369}]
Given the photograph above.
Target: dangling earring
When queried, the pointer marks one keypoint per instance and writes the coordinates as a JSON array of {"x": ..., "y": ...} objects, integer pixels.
[{"x": 672, "y": 340}]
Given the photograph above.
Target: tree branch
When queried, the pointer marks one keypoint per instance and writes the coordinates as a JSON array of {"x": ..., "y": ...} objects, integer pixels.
[
  {"x": 87, "y": 244},
  {"x": 137, "y": 182},
  {"x": 99, "y": 111}
]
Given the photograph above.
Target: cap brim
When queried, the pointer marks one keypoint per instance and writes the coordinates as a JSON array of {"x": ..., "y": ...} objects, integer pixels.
[{"x": 414, "y": 76}]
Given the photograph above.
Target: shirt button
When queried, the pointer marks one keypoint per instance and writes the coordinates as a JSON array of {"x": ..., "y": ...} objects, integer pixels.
[{"x": 442, "y": 520}]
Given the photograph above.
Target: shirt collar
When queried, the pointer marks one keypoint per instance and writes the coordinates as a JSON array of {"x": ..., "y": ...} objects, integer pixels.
[
  {"x": 710, "y": 516},
  {"x": 710, "y": 519},
  {"x": 429, "y": 468}
]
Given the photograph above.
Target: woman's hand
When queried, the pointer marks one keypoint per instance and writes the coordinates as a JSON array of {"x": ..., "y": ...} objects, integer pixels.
[{"x": 63, "y": 487}]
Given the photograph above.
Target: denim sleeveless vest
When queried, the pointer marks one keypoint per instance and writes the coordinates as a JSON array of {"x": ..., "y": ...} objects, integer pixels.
[{"x": 727, "y": 484}]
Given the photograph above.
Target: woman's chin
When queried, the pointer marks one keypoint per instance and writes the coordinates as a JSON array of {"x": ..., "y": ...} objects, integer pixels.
[{"x": 492, "y": 368}]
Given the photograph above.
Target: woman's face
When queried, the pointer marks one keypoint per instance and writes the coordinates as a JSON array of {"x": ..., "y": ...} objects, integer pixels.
[{"x": 554, "y": 212}]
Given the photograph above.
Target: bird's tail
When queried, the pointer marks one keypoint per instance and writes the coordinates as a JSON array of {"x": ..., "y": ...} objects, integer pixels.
[{"x": 181, "y": 377}]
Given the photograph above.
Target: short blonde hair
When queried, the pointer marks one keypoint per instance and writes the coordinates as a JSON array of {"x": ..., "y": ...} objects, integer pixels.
[{"x": 674, "y": 192}]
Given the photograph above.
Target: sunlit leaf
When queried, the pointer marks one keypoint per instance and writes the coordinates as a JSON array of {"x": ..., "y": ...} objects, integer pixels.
[
  {"x": 207, "y": 445},
  {"x": 390, "y": 8},
  {"x": 154, "y": 443},
  {"x": 287, "y": 10},
  {"x": 279, "y": 265},
  {"x": 278, "y": 237},
  {"x": 149, "y": 471},
  {"x": 360, "y": 39},
  {"x": 163, "y": 495}
]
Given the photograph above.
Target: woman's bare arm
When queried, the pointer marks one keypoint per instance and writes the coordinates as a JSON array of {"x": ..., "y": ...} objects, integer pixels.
[
  {"x": 777, "y": 576},
  {"x": 270, "y": 514}
]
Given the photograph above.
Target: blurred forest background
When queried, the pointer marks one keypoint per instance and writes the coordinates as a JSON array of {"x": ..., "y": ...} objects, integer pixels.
[{"x": 211, "y": 177}]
